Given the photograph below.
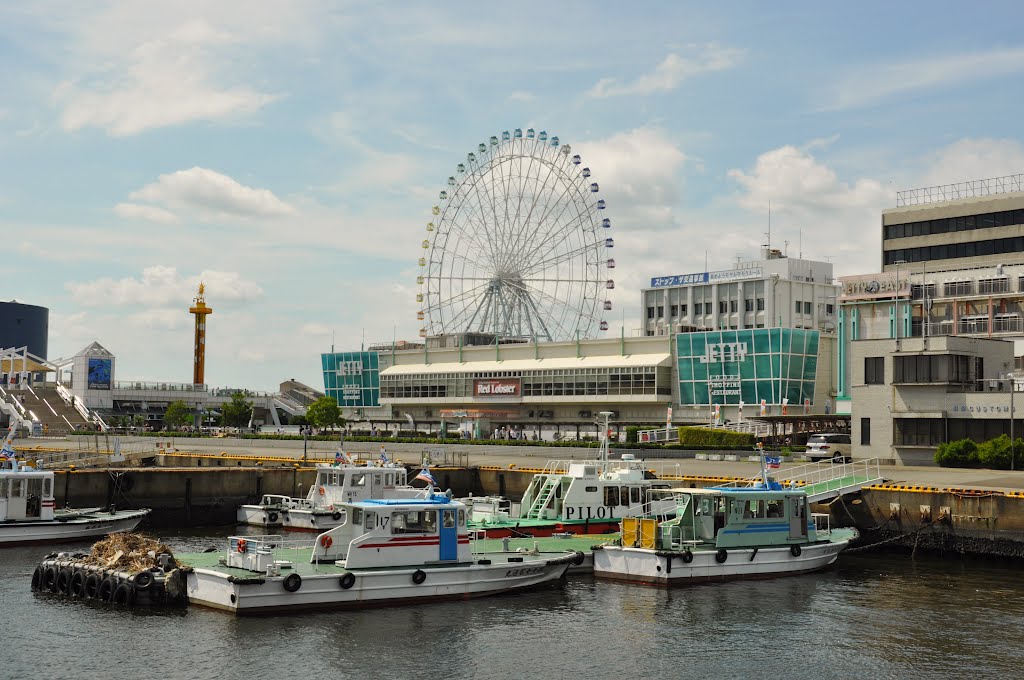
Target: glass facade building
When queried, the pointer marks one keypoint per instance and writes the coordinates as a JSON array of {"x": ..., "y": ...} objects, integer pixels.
[
  {"x": 727, "y": 367},
  {"x": 352, "y": 378}
]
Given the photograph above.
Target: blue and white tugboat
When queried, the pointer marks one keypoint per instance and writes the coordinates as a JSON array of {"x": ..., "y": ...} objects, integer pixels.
[
  {"x": 28, "y": 509},
  {"x": 386, "y": 551},
  {"x": 762, "y": 530}
]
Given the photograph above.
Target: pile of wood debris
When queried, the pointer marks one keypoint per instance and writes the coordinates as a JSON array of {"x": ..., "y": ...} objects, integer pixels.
[{"x": 125, "y": 551}]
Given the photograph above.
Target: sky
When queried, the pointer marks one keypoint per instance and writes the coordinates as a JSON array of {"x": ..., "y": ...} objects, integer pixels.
[{"x": 288, "y": 154}]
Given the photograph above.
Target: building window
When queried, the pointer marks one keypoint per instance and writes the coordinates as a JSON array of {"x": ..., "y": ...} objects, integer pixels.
[
  {"x": 989, "y": 286},
  {"x": 682, "y": 310},
  {"x": 797, "y": 306},
  {"x": 865, "y": 431},
  {"x": 748, "y": 305},
  {"x": 675, "y": 311},
  {"x": 807, "y": 308},
  {"x": 874, "y": 370},
  {"x": 830, "y": 309},
  {"x": 723, "y": 306},
  {"x": 954, "y": 288},
  {"x": 943, "y": 368},
  {"x": 650, "y": 312},
  {"x": 661, "y": 311},
  {"x": 760, "y": 304},
  {"x": 698, "y": 309},
  {"x": 733, "y": 305}
]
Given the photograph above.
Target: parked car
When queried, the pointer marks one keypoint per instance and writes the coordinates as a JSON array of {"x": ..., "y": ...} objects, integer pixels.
[{"x": 834, "y": 446}]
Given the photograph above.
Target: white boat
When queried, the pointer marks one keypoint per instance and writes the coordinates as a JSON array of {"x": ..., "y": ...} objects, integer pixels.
[
  {"x": 387, "y": 551},
  {"x": 720, "y": 533},
  {"x": 28, "y": 509},
  {"x": 335, "y": 485}
]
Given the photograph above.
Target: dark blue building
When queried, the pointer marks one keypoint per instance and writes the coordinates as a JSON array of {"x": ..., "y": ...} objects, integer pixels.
[{"x": 22, "y": 325}]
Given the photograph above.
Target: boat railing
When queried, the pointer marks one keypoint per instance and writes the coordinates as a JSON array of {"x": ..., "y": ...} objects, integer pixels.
[
  {"x": 811, "y": 474},
  {"x": 822, "y": 522}
]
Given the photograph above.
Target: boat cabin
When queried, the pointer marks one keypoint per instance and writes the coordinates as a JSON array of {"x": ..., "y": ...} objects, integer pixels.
[
  {"x": 742, "y": 517},
  {"x": 389, "y": 532},
  {"x": 590, "y": 490},
  {"x": 338, "y": 484},
  {"x": 26, "y": 495}
]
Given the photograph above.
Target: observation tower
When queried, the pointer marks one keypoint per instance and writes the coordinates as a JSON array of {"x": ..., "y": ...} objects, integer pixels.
[{"x": 200, "y": 311}]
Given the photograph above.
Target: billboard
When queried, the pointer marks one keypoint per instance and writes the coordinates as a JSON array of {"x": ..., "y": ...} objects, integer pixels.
[
  {"x": 99, "y": 374},
  {"x": 496, "y": 387},
  {"x": 352, "y": 378}
]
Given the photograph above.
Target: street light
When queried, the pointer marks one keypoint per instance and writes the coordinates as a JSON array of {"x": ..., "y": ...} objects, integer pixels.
[{"x": 1012, "y": 377}]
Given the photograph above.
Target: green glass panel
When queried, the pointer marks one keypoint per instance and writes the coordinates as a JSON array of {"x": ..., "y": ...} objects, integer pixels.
[
  {"x": 698, "y": 344},
  {"x": 729, "y": 336},
  {"x": 763, "y": 366},
  {"x": 810, "y": 367},
  {"x": 796, "y": 367},
  {"x": 785, "y": 366},
  {"x": 812, "y": 344},
  {"x": 686, "y": 369},
  {"x": 748, "y": 389},
  {"x": 747, "y": 368},
  {"x": 787, "y": 338},
  {"x": 686, "y": 393},
  {"x": 793, "y": 392},
  {"x": 700, "y": 371},
  {"x": 762, "y": 341},
  {"x": 683, "y": 344},
  {"x": 766, "y": 390}
]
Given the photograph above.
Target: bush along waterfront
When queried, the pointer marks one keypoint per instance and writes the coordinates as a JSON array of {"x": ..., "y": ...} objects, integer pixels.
[{"x": 994, "y": 453}]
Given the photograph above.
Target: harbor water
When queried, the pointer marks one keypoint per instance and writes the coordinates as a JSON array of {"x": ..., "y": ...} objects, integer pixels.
[{"x": 878, "y": 616}]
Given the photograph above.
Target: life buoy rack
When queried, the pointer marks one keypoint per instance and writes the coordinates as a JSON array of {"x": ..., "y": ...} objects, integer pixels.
[
  {"x": 721, "y": 556},
  {"x": 241, "y": 545},
  {"x": 292, "y": 582},
  {"x": 348, "y": 580},
  {"x": 795, "y": 550},
  {"x": 326, "y": 541},
  {"x": 687, "y": 556},
  {"x": 419, "y": 576}
]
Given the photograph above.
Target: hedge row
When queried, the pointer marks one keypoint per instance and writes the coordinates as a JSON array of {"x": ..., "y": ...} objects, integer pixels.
[
  {"x": 993, "y": 454},
  {"x": 711, "y": 437}
]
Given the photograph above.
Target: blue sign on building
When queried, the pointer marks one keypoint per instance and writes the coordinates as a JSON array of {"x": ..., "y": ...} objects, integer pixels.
[{"x": 352, "y": 378}]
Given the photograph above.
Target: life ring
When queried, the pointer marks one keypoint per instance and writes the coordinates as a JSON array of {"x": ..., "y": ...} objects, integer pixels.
[
  {"x": 326, "y": 541},
  {"x": 795, "y": 550},
  {"x": 272, "y": 517},
  {"x": 292, "y": 582},
  {"x": 50, "y": 578},
  {"x": 37, "y": 578},
  {"x": 336, "y": 516},
  {"x": 348, "y": 580},
  {"x": 578, "y": 558},
  {"x": 241, "y": 545},
  {"x": 63, "y": 581},
  {"x": 323, "y": 491},
  {"x": 106, "y": 589},
  {"x": 143, "y": 580},
  {"x": 76, "y": 587},
  {"x": 124, "y": 594},
  {"x": 92, "y": 585},
  {"x": 721, "y": 556},
  {"x": 687, "y": 556},
  {"x": 419, "y": 576}
]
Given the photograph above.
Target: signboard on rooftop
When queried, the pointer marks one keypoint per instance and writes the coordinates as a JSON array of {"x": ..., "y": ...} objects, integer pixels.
[{"x": 706, "y": 277}]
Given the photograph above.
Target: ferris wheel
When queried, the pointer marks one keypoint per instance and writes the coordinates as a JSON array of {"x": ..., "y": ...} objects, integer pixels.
[{"x": 518, "y": 245}]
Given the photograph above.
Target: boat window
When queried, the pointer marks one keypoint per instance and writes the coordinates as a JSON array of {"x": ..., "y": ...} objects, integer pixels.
[
  {"x": 335, "y": 479},
  {"x": 737, "y": 508},
  {"x": 634, "y": 495},
  {"x": 414, "y": 522},
  {"x": 624, "y": 495},
  {"x": 754, "y": 510},
  {"x": 448, "y": 521},
  {"x": 359, "y": 480},
  {"x": 371, "y": 521},
  {"x": 389, "y": 479},
  {"x": 3, "y": 488},
  {"x": 775, "y": 508},
  {"x": 376, "y": 480},
  {"x": 357, "y": 516},
  {"x": 591, "y": 489},
  {"x": 611, "y": 495},
  {"x": 16, "y": 487}
]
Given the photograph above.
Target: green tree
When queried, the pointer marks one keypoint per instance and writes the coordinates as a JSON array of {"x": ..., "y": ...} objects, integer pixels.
[
  {"x": 178, "y": 413},
  {"x": 324, "y": 412},
  {"x": 237, "y": 412}
]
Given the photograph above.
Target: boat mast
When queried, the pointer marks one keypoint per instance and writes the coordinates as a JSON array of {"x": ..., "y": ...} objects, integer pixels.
[
  {"x": 602, "y": 455},
  {"x": 764, "y": 467}
]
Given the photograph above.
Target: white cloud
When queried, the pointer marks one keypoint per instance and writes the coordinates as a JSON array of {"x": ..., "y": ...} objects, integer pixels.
[
  {"x": 521, "y": 96},
  {"x": 162, "y": 285},
  {"x": 671, "y": 72},
  {"x": 971, "y": 159},
  {"x": 149, "y": 213},
  {"x": 168, "y": 80},
  {"x": 212, "y": 194},
  {"x": 871, "y": 84}
]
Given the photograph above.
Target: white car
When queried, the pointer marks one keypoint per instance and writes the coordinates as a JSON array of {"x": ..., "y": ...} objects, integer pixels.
[{"x": 834, "y": 446}]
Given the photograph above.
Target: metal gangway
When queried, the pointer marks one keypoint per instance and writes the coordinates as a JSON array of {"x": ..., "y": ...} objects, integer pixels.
[{"x": 825, "y": 481}]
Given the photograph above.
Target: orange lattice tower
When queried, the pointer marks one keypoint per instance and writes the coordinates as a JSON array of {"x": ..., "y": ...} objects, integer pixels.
[{"x": 200, "y": 310}]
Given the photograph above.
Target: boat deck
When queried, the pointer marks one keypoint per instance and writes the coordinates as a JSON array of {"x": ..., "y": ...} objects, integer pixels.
[{"x": 299, "y": 555}]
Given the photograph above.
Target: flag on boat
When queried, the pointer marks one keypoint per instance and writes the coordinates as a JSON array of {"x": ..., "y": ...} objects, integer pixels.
[
  {"x": 342, "y": 458},
  {"x": 773, "y": 462},
  {"x": 426, "y": 477}
]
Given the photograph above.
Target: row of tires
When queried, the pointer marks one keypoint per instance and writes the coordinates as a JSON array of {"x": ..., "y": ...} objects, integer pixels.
[
  {"x": 85, "y": 584},
  {"x": 722, "y": 555}
]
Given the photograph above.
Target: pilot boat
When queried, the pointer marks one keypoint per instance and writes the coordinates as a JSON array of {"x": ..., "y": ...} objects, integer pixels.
[{"x": 386, "y": 551}]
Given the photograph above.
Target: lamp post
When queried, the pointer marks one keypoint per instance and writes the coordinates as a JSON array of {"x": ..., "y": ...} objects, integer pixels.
[
  {"x": 1013, "y": 385},
  {"x": 305, "y": 431}
]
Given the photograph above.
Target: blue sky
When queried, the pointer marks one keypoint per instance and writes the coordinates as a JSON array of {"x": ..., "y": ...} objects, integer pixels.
[{"x": 288, "y": 154}]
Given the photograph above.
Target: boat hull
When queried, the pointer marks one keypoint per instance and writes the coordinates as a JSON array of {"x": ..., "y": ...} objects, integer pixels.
[
  {"x": 88, "y": 526},
  {"x": 661, "y": 568},
  {"x": 544, "y": 528},
  {"x": 298, "y": 520},
  {"x": 258, "y": 594}
]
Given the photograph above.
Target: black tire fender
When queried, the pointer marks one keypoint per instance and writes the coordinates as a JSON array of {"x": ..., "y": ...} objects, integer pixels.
[
  {"x": 37, "y": 578},
  {"x": 348, "y": 580},
  {"x": 272, "y": 517},
  {"x": 63, "y": 581},
  {"x": 687, "y": 556},
  {"x": 721, "y": 556},
  {"x": 124, "y": 594},
  {"x": 106, "y": 590},
  {"x": 143, "y": 580},
  {"x": 292, "y": 582},
  {"x": 92, "y": 585},
  {"x": 50, "y": 578},
  {"x": 419, "y": 576},
  {"x": 336, "y": 516},
  {"x": 578, "y": 558},
  {"x": 76, "y": 586},
  {"x": 795, "y": 550}
]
